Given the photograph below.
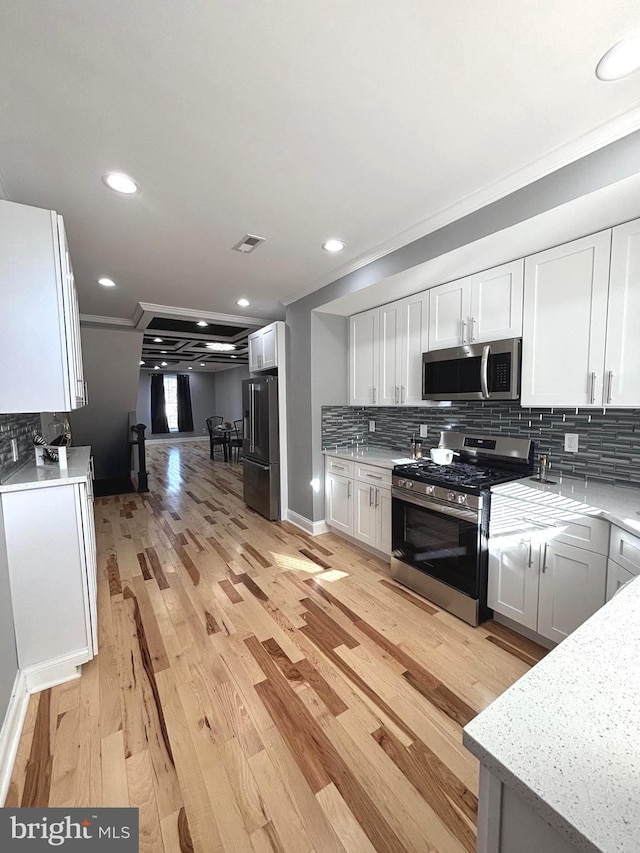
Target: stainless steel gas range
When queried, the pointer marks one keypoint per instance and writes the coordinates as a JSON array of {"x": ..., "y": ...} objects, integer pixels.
[{"x": 440, "y": 519}]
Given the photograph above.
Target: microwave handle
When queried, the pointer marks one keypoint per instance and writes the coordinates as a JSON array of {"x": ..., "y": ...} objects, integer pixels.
[{"x": 484, "y": 371}]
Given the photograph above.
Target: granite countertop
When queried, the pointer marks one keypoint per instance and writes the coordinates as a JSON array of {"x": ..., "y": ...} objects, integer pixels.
[
  {"x": 563, "y": 737},
  {"x": 618, "y": 504},
  {"x": 30, "y": 476},
  {"x": 381, "y": 456}
]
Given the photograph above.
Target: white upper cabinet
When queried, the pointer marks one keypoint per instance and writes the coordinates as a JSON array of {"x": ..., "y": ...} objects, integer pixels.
[
  {"x": 621, "y": 385},
  {"x": 364, "y": 355},
  {"x": 415, "y": 341},
  {"x": 449, "y": 309},
  {"x": 390, "y": 354},
  {"x": 263, "y": 347},
  {"x": 41, "y": 332},
  {"x": 483, "y": 307},
  {"x": 565, "y": 310},
  {"x": 385, "y": 353},
  {"x": 496, "y": 303}
]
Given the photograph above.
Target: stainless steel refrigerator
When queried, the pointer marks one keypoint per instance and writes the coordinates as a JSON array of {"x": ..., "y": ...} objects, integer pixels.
[{"x": 260, "y": 446}]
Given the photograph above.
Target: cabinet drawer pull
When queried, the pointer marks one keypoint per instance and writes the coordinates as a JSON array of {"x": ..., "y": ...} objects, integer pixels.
[
  {"x": 373, "y": 476},
  {"x": 339, "y": 467}
]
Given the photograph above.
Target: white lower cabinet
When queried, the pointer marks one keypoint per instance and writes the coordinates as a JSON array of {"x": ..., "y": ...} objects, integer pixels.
[
  {"x": 51, "y": 554},
  {"x": 624, "y": 559},
  {"x": 358, "y": 503},
  {"x": 513, "y": 580}
]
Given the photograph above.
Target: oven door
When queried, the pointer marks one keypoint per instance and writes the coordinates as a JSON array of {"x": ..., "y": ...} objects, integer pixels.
[{"x": 441, "y": 540}]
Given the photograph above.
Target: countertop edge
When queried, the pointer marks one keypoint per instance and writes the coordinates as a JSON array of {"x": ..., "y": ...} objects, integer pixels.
[
  {"x": 78, "y": 458},
  {"x": 528, "y": 795}
]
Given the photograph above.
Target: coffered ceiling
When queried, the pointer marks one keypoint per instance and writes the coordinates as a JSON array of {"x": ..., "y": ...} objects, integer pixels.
[{"x": 369, "y": 121}]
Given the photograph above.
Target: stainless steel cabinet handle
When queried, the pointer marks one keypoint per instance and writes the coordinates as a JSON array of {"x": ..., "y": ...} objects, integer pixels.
[
  {"x": 349, "y": 489},
  {"x": 473, "y": 335},
  {"x": 610, "y": 387},
  {"x": 86, "y": 394},
  {"x": 339, "y": 467},
  {"x": 530, "y": 561},
  {"x": 463, "y": 331},
  {"x": 395, "y": 395},
  {"x": 373, "y": 476},
  {"x": 377, "y": 498},
  {"x": 401, "y": 395},
  {"x": 592, "y": 395},
  {"x": 544, "y": 557},
  {"x": 484, "y": 371},
  {"x": 374, "y": 395},
  {"x": 370, "y": 495}
]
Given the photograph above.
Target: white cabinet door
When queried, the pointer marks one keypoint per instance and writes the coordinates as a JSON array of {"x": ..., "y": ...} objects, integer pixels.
[
  {"x": 269, "y": 347},
  {"x": 449, "y": 310},
  {"x": 39, "y": 303},
  {"x": 255, "y": 351},
  {"x": 382, "y": 502},
  {"x": 364, "y": 513},
  {"x": 624, "y": 548},
  {"x": 622, "y": 359},
  {"x": 572, "y": 588},
  {"x": 390, "y": 354},
  {"x": 415, "y": 341},
  {"x": 513, "y": 580},
  {"x": 364, "y": 350},
  {"x": 496, "y": 303},
  {"x": 338, "y": 503},
  {"x": 616, "y": 577},
  {"x": 565, "y": 309}
]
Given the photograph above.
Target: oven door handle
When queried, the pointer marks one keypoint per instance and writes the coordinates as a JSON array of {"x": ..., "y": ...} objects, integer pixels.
[{"x": 436, "y": 506}]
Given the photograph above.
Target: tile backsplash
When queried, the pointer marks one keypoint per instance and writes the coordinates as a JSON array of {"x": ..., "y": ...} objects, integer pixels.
[
  {"x": 609, "y": 442},
  {"x": 20, "y": 427}
]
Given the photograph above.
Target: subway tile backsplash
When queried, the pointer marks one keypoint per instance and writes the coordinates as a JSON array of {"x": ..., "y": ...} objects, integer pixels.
[
  {"x": 609, "y": 441},
  {"x": 20, "y": 427}
]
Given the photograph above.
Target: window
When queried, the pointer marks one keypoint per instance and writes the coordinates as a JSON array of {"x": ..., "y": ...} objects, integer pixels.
[{"x": 171, "y": 401}]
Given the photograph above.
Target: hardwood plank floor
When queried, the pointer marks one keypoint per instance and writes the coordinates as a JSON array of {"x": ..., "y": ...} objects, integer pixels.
[{"x": 258, "y": 689}]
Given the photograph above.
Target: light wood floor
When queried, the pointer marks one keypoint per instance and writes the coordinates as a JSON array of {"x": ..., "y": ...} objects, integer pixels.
[{"x": 261, "y": 690}]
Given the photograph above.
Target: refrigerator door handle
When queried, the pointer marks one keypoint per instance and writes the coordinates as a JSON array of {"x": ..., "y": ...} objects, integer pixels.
[
  {"x": 251, "y": 418},
  {"x": 257, "y": 465}
]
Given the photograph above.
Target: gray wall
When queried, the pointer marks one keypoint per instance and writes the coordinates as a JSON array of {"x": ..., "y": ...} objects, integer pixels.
[
  {"x": 111, "y": 365},
  {"x": 8, "y": 653},
  {"x": 228, "y": 385},
  {"x": 203, "y": 403},
  {"x": 612, "y": 163}
]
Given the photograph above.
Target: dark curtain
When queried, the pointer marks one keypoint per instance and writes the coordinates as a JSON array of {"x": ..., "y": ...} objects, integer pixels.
[
  {"x": 158, "y": 410},
  {"x": 185, "y": 415}
]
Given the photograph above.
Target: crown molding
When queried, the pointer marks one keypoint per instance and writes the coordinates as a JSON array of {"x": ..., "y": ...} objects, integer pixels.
[
  {"x": 145, "y": 310},
  {"x": 561, "y": 156},
  {"x": 96, "y": 320}
]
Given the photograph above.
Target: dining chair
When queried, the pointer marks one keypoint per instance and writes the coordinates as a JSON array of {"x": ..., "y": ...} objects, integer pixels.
[
  {"x": 216, "y": 439},
  {"x": 235, "y": 441}
]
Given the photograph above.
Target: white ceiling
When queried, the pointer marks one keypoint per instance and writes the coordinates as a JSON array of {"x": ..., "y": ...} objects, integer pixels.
[{"x": 295, "y": 121}]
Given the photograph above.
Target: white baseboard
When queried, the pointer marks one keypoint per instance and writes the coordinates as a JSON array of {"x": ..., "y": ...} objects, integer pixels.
[
  {"x": 11, "y": 732},
  {"x": 315, "y": 528},
  {"x": 55, "y": 672},
  {"x": 177, "y": 438}
]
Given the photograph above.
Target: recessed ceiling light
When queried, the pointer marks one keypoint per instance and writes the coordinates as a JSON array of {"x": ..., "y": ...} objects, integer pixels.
[
  {"x": 156, "y": 367},
  {"x": 163, "y": 364},
  {"x": 243, "y": 303},
  {"x": 163, "y": 352},
  {"x": 333, "y": 245},
  {"x": 221, "y": 347},
  {"x": 142, "y": 362},
  {"x": 106, "y": 282},
  {"x": 203, "y": 365},
  {"x": 189, "y": 368},
  {"x": 620, "y": 60},
  {"x": 202, "y": 323},
  {"x": 234, "y": 356},
  {"x": 157, "y": 340},
  {"x": 121, "y": 183}
]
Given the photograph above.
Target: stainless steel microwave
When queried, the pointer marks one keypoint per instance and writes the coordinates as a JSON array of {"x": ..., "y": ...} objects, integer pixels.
[{"x": 488, "y": 371}]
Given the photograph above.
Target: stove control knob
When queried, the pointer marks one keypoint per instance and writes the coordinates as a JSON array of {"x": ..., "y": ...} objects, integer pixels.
[
  {"x": 402, "y": 482},
  {"x": 429, "y": 490},
  {"x": 451, "y": 496},
  {"x": 462, "y": 499},
  {"x": 409, "y": 484}
]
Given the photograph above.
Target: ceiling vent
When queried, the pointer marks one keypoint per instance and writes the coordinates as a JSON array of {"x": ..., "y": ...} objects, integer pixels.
[{"x": 248, "y": 243}]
